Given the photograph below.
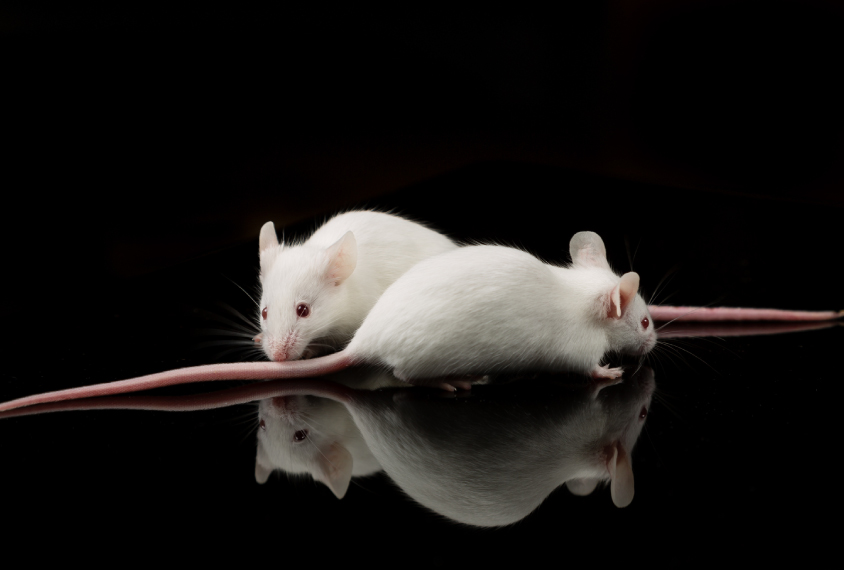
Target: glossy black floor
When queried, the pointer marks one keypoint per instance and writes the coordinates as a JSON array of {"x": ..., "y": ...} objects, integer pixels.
[{"x": 143, "y": 150}]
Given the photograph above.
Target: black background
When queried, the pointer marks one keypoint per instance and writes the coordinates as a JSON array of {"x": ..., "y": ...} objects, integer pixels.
[{"x": 145, "y": 147}]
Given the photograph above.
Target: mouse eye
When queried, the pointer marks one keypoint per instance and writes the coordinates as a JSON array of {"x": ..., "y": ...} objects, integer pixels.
[
  {"x": 303, "y": 310},
  {"x": 643, "y": 413},
  {"x": 264, "y": 314},
  {"x": 263, "y": 425},
  {"x": 300, "y": 435},
  {"x": 645, "y": 323}
]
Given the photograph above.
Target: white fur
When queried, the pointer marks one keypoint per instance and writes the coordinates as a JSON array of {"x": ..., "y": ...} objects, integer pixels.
[
  {"x": 492, "y": 309},
  {"x": 341, "y": 278}
]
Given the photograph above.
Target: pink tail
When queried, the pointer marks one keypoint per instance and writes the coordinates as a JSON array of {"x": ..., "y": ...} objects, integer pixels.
[
  {"x": 732, "y": 328},
  {"x": 195, "y": 402},
  {"x": 207, "y": 373},
  {"x": 664, "y": 313}
]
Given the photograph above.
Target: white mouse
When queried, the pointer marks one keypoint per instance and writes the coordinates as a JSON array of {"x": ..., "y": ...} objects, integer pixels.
[
  {"x": 471, "y": 311},
  {"x": 315, "y": 294},
  {"x": 493, "y": 309}
]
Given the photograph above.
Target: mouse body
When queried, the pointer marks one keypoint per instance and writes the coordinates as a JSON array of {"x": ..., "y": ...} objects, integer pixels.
[
  {"x": 494, "y": 309},
  {"x": 315, "y": 294}
]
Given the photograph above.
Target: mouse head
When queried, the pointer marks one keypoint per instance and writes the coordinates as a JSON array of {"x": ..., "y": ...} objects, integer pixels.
[
  {"x": 302, "y": 297},
  {"x": 304, "y": 435},
  {"x": 627, "y": 408},
  {"x": 624, "y": 409},
  {"x": 619, "y": 305}
]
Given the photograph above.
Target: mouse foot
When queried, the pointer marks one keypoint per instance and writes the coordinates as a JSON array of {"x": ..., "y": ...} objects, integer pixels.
[
  {"x": 603, "y": 376},
  {"x": 454, "y": 385},
  {"x": 606, "y": 373}
]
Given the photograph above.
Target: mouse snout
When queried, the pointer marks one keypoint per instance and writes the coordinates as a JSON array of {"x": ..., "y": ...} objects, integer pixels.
[
  {"x": 280, "y": 403},
  {"x": 281, "y": 350},
  {"x": 649, "y": 343},
  {"x": 279, "y": 355}
]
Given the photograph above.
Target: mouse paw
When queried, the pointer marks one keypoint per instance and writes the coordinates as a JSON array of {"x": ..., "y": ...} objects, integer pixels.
[
  {"x": 606, "y": 373},
  {"x": 603, "y": 376},
  {"x": 450, "y": 385},
  {"x": 599, "y": 383}
]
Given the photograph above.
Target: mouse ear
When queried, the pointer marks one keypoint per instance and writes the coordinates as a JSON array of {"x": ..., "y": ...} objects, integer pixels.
[
  {"x": 267, "y": 239},
  {"x": 262, "y": 472},
  {"x": 587, "y": 250},
  {"x": 335, "y": 469},
  {"x": 581, "y": 487},
  {"x": 623, "y": 294},
  {"x": 342, "y": 258},
  {"x": 621, "y": 476},
  {"x": 267, "y": 244}
]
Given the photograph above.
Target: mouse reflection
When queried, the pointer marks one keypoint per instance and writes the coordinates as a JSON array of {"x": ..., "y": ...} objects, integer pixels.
[{"x": 487, "y": 459}]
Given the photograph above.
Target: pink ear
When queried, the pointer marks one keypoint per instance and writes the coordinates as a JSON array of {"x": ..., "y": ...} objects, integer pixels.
[
  {"x": 623, "y": 294},
  {"x": 267, "y": 238},
  {"x": 267, "y": 246},
  {"x": 335, "y": 469},
  {"x": 587, "y": 250},
  {"x": 342, "y": 258},
  {"x": 621, "y": 476},
  {"x": 262, "y": 472}
]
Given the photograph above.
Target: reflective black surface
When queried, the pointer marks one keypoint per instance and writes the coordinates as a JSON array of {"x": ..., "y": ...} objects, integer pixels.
[{"x": 125, "y": 251}]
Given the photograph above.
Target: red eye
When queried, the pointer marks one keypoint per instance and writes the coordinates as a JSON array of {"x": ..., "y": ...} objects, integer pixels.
[
  {"x": 645, "y": 323},
  {"x": 300, "y": 435},
  {"x": 644, "y": 413},
  {"x": 264, "y": 313},
  {"x": 263, "y": 425},
  {"x": 303, "y": 310}
]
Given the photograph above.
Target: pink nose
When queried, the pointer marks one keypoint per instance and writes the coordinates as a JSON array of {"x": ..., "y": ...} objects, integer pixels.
[
  {"x": 280, "y": 355},
  {"x": 279, "y": 403}
]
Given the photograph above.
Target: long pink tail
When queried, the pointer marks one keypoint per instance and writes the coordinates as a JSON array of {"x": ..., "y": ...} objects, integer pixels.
[
  {"x": 195, "y": 402},
  {"x": 732, "y": 328},
  {"x": 206, "y": 373},
  {"x": 664, "y": 313}
]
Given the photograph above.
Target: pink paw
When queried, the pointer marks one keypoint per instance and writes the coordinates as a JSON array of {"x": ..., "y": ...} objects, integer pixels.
[
  {"x": 604, "y": 376},
  {"x": 454, "y": 385},
  {"x": 605, "y": 372}
]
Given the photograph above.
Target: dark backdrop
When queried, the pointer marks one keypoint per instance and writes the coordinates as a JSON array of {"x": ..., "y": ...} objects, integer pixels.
[{"x": 145, "y": 146}]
